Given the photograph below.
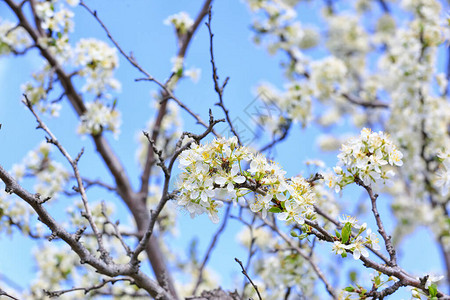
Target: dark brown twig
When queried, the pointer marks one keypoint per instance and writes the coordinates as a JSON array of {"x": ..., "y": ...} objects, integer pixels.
[
  {"x": 219, "y": 88},
  {"x": 387, "y": 238},
  {"x": 74, "y": 164},
  {"x": 248, "y": 277},
  {"x": 86, "y": 290},
  {"x": 3, "y": 293}
]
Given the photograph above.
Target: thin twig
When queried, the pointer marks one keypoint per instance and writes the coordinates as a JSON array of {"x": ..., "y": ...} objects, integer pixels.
[
  {"x": 86, "y": 290},
  {"x": 108, "y": 269},
  {"x": 74, "y": 164},
  {"x": 387, "y": 239},
  {"x": 217, "y": 86},
  {"x": 3, "y": 293},
  {"x": 276, "y": 140},
  {"x": 316, "y": 269},
  {"x": 248, "y": 277},
  {"x": 165, "y": 193},
  {"x": 117, "y": 232}
]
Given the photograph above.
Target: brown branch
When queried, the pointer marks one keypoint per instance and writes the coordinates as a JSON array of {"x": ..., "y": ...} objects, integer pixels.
[
  {"x": 314, "y": 266},
  {"x": 110, "y": 159},
  {"x": 322, "y": 213},
  {"x": 387, "y": 238},
  {"x": 219, "y": 87},
  {"x": 167, "y": 175},
  {"x": 106, "y": 268},
  {"x": 3, "y": 293},
  {"x": 248, "y": 277},
  {"x": 117, "y": 232},
  {"x": 133, "y": 201},
  {"x": 372, "y": 104},
  {"x": 386, "y": 292},
  {"x": 276, "y": 140},
  {"x": 166, "y": 93},
  {"x": 384, "y": 6},
  {"x": 74, "y": 164},
  {"x": 86, "y": 290}
]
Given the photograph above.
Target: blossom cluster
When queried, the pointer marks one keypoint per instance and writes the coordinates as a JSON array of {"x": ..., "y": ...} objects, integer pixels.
[
  {"x": 37, "y": 92},
  {"x": 442, "y": 178},
  {"x": 57, "y": 21},
  {"x": 356, "y": 243},
  {"x": 367, "y": 158},
  {"x": 51, "y": 175},
  {"x": 52, "y": 19},
  {"x": 293, "y": 104},
  {"x": 214, "y": 172},
  {"x": 181, "y": 21},
  {"x": 99, "y": 117},
  {"x": 12, "y": 38},
  {"x": 98, "y": 62}
]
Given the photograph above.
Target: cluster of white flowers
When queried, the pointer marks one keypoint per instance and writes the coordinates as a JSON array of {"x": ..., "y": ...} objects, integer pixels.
[
  {"x": 57, "y": 20},
  {"x": 99, "y": 117},
  {"x": 354, "y": 242},
  {"x": 214, "y": 171},
  {"x": 58, "y": 268},
  {"x": 179, "y": 70},
  {"x": 294, "y": 104},
  {"x": 326, "y": 75},
  {"x": 443, "y": 174},
  {"x": 181, "y": 21},
  {"x": 345, "y": 36},
  {"x": 367, "y": 158},
  {"x": 98, "y": 62},
  {"x": 12, "y": 38},
  {"x": 37, "y": 92},
  {"x": 51, "y": 175},
  {"x": 284, "y": 270},
  {"x": 14, "y": 211},
  {"x": 52, "y": 19}
]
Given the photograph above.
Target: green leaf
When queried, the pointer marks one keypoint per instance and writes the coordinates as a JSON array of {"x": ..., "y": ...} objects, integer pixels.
[
  {"x": 294, "y": 234},
  {"x": 433, "y": 290},
  {"x": 179, "y": 72},
  {"x": 302, "y": 236},
  {"x": 275, "y": 210},
  {"x": 353, "y": 276},
  {"x": 377, "y": 280},
  {"x": 346, "y": 231},
  {"x": 350, "y": 289},
  {"x": 338, "y": 235}
]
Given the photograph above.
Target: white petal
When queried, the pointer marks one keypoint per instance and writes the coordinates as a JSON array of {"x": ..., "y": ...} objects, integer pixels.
[{"x": 239, "y": 179}]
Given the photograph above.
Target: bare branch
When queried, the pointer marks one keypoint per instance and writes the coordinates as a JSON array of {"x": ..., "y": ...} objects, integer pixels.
[
  {"x": 110, "y": 269},
  {"x": 3, "y": 293},
  {"x": 387, "y": 239},
  {"x": 165, "y": 193},
  {"x": 86, "y": 290},
  {"x": 74, "y": 164},
  {"x": 316, "y": 269},
  {"x": 219, "y": 87},
  {"x": 248, "y": 277},
  {"x": 276, "y": 140},
  {"x": 372, "y": 104},
  {"x": 117, "y": 232}
]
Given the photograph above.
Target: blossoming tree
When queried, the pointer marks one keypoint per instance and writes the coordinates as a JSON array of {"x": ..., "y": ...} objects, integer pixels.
[{"x": 374, "y": 65}]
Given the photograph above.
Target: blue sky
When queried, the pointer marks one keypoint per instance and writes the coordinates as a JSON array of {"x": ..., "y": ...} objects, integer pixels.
[{"x": 138, "y": 26}]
